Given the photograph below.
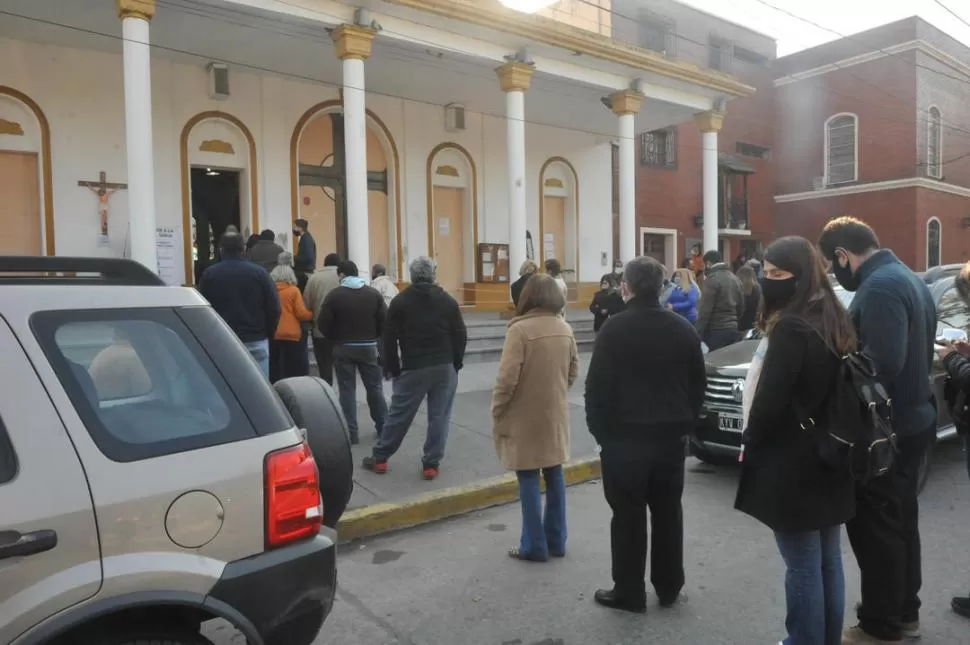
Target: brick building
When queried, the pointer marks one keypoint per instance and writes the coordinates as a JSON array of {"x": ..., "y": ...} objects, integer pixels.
[
  {"x": 669, "y": 165},
  {"x": 877, "y": 126}
]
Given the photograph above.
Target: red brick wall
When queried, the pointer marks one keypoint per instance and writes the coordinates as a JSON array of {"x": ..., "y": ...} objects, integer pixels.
[
  {"x": 889, "y": 212},
  {"x": 950, "y": 210},
  {"x": 673, "y": 198},
  {"x": 885, "y": 103}
]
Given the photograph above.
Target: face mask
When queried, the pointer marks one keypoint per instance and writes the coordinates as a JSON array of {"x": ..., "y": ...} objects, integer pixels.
[
  {"x": 777, "y": 293},
  {"x": 296, "y": 232},
  {"x": 618, "y": 270},
  {"x": 844, "y": 275}
]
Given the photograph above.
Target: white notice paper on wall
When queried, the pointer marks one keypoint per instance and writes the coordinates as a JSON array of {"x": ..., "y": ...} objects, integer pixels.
[
  {"x": 548, "y": 238},
  {"x": 444, "y": 226},
  {"x": 166, "y": 243}
]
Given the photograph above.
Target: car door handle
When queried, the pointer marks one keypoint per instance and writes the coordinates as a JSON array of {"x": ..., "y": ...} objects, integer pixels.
[{"x": 14, "y": 544}]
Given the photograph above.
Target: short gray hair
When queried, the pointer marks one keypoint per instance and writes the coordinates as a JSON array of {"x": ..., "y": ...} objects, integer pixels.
[
  {"x": 423, "y": 269},
  {"x": 644, "y": 277},
  {"x": 283, "y": 271}
]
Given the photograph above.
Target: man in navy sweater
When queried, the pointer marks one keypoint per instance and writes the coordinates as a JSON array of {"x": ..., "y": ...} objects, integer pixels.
[
  {"x": 244, "y": 295},
  {"x": 895, "y": 317}
]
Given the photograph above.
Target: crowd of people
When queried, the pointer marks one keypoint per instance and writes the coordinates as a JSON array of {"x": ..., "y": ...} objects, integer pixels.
[
  {"x": 276, "y": 302},
  {"x": 644, "y": 391},
  {"x": 643, "y": 394}
]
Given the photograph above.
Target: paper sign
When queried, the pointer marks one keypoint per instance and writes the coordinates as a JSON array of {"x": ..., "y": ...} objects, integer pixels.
[
  {"x": 444, "y": 226},
  {"x": 166, "y": 240},
  {"x": 548, "y": 238}
]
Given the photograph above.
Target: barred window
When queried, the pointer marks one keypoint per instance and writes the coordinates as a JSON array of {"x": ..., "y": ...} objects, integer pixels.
[
  {"x": 933, "y": 243},
  {"x": 934, "y": 144},
  {"x": 659, "y": 148},
  {"x": 841, "y": 149}
]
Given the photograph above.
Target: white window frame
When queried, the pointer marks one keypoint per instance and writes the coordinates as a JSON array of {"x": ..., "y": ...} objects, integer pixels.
[
  {"x": 939, "y": 241},
  {"x": 825, "y": 160},
  {"x": 934, "y": 167}
]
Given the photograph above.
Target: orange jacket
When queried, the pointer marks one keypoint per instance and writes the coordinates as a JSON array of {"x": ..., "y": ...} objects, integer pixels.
[{"x": 294, "y": 312}]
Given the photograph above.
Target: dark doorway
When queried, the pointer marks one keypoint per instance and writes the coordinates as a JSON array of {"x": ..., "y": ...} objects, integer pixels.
[{"x": 215, "y": 207}]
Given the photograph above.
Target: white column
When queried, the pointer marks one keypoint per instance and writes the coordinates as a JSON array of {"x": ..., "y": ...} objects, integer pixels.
[
  {"x": 710, "y": 124},
  {"x": 353, "y": 46},
  {"x": 135, "y": 19},
  {"x": 515, "y": 79},
  {"x": 626, "y": 105}
]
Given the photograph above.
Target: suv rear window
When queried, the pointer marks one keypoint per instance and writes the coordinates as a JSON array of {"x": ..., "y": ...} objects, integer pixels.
[{"x": 140, "y": 381}]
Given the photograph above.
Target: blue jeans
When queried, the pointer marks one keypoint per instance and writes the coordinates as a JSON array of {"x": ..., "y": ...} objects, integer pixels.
[
  {"x": 814, "y": 586},
  {"x": 259, "y": 350},
  {"x": 543, "y": 534},
  {"x": 438, "y": 383}
]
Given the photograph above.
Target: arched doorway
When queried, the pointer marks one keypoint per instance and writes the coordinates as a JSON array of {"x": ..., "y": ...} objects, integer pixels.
[
  {"x": 453, "y": 216},
  {"x": 220, "y": 187},
  {"x": 318, "y": 176},
  {"x": 27, "y": 207},
  {"x": 558, "y": 217}
]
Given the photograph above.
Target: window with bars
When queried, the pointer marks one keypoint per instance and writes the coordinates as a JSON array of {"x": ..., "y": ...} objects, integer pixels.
[
  {"x": 841, "y": 153},
  {"x": 656, "y": 34},
  {"x": 659, "y": 148},
  {"x": 933, "y": 243},
  {"x": 934, "y": 144},
  {"x": 720, "y": 53}
]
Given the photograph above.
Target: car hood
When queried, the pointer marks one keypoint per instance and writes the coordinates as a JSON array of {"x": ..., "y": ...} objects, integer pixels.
[{"x": 732, "y": 360}]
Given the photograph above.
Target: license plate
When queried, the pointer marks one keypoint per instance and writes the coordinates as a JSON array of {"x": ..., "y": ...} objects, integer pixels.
[{"x": 730, "y": 422}]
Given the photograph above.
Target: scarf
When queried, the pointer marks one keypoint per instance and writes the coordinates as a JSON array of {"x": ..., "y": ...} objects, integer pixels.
[{"x": 753, "y": 376}]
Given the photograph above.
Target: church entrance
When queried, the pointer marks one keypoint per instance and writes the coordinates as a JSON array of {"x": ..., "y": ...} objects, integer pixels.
[
  {"x": 215, "y": 207},
  {"x": 323, "y": 187},
  {"x": 20, "y": 232}
]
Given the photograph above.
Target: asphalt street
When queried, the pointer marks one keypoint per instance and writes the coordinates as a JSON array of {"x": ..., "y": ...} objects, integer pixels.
[{"x": 452, "y": 584}]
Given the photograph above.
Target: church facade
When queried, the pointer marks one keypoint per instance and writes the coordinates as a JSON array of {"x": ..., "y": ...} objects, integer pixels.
[{"x": 467, "y": 131}]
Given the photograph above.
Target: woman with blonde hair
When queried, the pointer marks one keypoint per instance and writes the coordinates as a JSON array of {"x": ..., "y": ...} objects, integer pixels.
[
  {"x": 685, "y": 294},
  {"x": 285, "y": 358},
  {"x": 530, "y": 414},
  {"x": 528, "y": 269}
]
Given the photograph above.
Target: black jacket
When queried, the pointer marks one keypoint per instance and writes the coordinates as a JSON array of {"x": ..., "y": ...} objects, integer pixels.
[
  {"x": 957, "y": 368},
  {"x": 426, "y": 323},
  {"x": 265, "y": 253},
  {"x": 517, "y": 287},
  {"x": 750, "y": 313},
  {"x": 646, "y": 379},
  {"x": 244, "y": 295},
  {"x": 609, "y": 300},
  {"x": 352, "y": 315},
  {"x": 895, "y": 316},
  {"x": 784, "y": 483},
  {"x": 306, "y": 254}
]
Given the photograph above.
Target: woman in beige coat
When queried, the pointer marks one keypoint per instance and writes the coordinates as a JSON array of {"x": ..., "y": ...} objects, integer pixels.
[{"x": 530, "y": 413}]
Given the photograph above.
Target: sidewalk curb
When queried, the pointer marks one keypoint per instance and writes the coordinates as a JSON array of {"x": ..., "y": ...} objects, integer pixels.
[{"x": 449, "y": 502}]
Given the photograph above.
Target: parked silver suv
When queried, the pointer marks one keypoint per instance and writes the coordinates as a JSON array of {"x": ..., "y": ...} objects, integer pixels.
[{"x": 150, "y": 478}]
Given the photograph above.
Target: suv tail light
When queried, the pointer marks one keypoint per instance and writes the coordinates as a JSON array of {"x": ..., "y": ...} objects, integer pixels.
[{"x": 294, "y": 510}]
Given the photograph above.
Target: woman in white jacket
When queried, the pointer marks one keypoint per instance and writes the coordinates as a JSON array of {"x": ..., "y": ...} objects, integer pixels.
[{"x": 383, "y": 284}]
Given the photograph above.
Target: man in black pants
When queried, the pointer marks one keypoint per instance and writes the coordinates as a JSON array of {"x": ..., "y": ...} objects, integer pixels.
[
  {"x": 644, "y": 391},
  {"x": 895, "y": 317}
]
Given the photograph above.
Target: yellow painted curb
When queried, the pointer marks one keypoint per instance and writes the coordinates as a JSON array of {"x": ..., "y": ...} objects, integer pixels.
[{"x": 381, "y": 518}]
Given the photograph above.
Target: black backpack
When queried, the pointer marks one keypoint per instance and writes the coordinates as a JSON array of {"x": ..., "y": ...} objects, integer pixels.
[{"x": 853, "y": 428}]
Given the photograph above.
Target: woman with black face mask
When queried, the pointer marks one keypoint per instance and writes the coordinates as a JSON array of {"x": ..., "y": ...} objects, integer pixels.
[{"x": 784, "y": 482}]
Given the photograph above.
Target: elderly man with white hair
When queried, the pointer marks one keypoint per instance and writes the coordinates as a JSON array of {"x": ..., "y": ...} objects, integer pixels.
[{"x": 423, "y": 350}]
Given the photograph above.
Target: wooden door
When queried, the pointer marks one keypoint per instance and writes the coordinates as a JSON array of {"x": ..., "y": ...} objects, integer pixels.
[
  {"x": 449, "y": 237},
  {"x": 554, "y": 230},
  {"x": 20, "y": 230}
]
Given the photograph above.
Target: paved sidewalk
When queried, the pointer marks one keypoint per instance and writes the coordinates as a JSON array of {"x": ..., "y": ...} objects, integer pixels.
[{"x": 470, "y": 455}]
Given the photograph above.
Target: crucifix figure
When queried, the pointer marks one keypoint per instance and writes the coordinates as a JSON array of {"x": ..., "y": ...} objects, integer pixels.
[{"x": 104, "y": 191}]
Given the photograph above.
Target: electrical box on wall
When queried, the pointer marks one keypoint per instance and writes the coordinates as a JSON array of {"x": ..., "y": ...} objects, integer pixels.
[
  {"x": 454, "y": 117},
  {"x": 218, "y": 81}
]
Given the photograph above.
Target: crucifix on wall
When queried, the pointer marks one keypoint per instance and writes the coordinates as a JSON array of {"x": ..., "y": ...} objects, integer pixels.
[{"x": 104, "y": 190}]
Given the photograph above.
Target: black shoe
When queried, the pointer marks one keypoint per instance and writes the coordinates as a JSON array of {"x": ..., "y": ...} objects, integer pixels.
[
  {"x": 608, "y": 598},
  {"x": 961, "y": 606},
  {"x": 668, "y": 603},
  {"x": 374, "y": 465}
]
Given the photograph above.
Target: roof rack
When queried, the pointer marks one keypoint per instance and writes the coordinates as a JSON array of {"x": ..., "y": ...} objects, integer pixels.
[{"x": 16, "y": 269}]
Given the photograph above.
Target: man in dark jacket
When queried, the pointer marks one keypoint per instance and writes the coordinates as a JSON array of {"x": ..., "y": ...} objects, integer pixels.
[
  {"x": 644, "y": 391},
  {"x": 245, "y": 296},
  {"x": 426, "y": 323},
  {"x": 305, "y": 262},
  {"x": 894, "y": 314},
  {"x": 266, "y": 251},
  {"x": 352, "y": 317},
  {"x": 721, "y": 305}
]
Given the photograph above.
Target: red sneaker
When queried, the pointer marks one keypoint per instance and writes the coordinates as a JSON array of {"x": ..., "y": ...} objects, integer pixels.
[
  {"x": 375, "y": 466},
  {"x": 430, "y": 472}
]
